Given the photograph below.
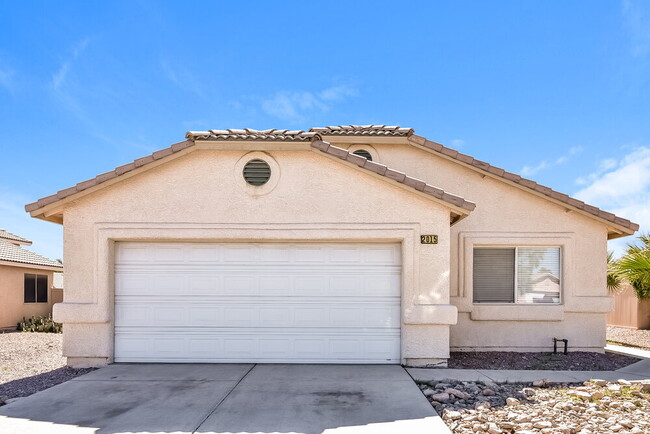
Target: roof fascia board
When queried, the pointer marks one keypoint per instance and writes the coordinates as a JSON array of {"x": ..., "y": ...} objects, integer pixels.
[
  {"x": 621, "y": 231},
  {"x": 32, "y": 266}
]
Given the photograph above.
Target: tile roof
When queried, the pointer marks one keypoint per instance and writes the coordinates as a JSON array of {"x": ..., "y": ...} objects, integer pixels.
[
  {"x": 315, "y": 134},
  {"x": 400, "y": 177},
  {"x": 363, "y": 130},
  {"x": 13, "y": 253},
  {"x": 300, "y": 135},
  {"x": 250, "y": 134},
  {"x": 9, "y": 236},
  {"x": 527, "y": 183}
]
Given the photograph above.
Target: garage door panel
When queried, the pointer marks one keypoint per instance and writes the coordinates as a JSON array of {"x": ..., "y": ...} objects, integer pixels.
[
  {"x": 265, "y": 313},
  {"x": 291, "y": 302},
  {"x": 286, "y": 346},
  {"x": 195, "y": 284}
]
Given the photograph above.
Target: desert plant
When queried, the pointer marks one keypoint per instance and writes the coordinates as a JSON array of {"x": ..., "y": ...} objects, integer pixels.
[
  {"x": 614, "y": 279},
  {"x": 40, "y": 324},
  {"x": 634, "y": 267}
]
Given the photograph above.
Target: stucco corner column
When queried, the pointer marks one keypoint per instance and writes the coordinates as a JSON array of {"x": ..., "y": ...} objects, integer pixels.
[
  {"x": 87, "y": 333},
  {"x": 425, "y": 336}
]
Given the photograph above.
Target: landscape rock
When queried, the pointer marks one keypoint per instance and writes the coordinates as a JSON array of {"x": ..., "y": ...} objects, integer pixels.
[
  {"x": 451, "y": 415},
  {"x": 457, "y": 393},
  {"x": 594, "y": 407},
  {"x": 440, "y": 397},
  {"x": 512, "y": 401}
]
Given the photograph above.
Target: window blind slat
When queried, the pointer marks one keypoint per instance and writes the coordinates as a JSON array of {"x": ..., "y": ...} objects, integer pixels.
[
  {"x": 494, "y": 275},
  {"x": 538, "y": 275}
]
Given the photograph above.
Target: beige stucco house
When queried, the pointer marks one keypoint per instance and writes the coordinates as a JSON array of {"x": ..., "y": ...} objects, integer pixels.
[
  {"x": 26, "y": 281},
  {"x": 354, "y": 244}
]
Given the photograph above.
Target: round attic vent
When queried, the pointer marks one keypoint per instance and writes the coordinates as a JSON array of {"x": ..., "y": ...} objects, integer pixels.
[
  {"x": 363, "y": 153},
  {"x": 257, "y": 172}
]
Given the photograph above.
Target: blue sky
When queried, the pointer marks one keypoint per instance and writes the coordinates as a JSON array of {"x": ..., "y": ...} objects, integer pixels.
[{"x": 556, "y": 91}]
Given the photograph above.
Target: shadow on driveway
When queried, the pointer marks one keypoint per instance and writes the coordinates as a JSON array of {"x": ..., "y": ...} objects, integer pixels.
[
  {"x": 30, "y": 385},
  {"x": 206, "y": 398}
]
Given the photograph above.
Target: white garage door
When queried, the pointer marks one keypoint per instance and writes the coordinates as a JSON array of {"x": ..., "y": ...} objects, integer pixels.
[{"x": 289, "y": 303}]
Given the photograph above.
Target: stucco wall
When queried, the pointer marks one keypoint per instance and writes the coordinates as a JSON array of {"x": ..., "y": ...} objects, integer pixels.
[
  {"x": 506, "y": 215},
  {"x": 201, "y": 197},
  {"x": 12, "y": 296}
]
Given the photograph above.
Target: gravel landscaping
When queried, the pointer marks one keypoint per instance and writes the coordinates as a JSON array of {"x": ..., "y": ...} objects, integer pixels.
[
  {"x": 30, "y": 362},
  {"x": 594, "y": 407},
  {"x": 629, "y": 337},
  {"x": 573, "y": 361}
]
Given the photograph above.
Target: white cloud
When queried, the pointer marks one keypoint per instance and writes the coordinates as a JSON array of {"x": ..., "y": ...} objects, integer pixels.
[
  {"x": 7, "y": 78},
  {"x": 457, "y": 143},
  {"x": 573, "y": 150},
  {"x": 636, "y": 21},
  {"x": 622, "y": 187},
  {"x": 60, "y": 76},
  {"x": 297, "y": 106},
  {"x": 183, "y": 78},
  {"x": 338, "y": 93},
  {"x": 529, "y": 170}
]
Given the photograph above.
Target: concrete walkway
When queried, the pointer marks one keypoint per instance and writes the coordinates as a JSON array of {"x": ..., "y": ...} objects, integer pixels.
[
  {"x": 628, "y": 351},
  {"x": 195, "y": 398},
  {"x": 634, "y": 372}
]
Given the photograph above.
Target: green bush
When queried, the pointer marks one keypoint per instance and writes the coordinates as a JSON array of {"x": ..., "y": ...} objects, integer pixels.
[{"x": 40, "y": 324}]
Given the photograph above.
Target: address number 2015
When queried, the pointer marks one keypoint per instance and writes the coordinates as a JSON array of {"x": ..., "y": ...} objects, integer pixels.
[{"x": 428, "y": 239}]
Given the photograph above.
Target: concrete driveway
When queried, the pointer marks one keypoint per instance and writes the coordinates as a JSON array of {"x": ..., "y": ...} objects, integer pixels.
[{"x": 246, "y": 398}]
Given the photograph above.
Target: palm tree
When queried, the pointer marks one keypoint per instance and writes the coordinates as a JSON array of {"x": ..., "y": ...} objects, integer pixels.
[
  {"x": 614, "y": 279},
  {"x": 634, "y": 267}
]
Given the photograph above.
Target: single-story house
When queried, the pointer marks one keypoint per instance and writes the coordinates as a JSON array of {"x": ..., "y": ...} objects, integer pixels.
[
  {"x": 26, "y": 280},
  {"x": 348, "y": 244}
]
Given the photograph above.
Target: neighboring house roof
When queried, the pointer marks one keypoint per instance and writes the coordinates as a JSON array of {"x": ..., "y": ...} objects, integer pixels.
[
  {"x": 9, "y": 236},
  {"x": 12, "y": 253},
  {"x": 315, "y": 135}
]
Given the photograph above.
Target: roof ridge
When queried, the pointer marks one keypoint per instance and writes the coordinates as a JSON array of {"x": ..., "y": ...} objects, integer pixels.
[
  {"x": 395, "y": 175},
  {"x": 5, "y": 234},
  {"x": 251, "y": 134},
  {"x": 13, "y": 253},
  {"x": 524, "y": 182},
  {"x": 363, "y": 130}
]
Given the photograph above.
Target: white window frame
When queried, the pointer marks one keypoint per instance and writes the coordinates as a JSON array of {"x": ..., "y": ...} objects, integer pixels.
[{"x": 516, "y": 294}]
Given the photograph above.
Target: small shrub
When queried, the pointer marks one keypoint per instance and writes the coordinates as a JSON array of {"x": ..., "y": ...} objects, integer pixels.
[{"x": 40, "y": 324}]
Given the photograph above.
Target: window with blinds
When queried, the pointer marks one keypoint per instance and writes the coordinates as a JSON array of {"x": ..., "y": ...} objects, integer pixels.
[{"x": 516, "y": 275}]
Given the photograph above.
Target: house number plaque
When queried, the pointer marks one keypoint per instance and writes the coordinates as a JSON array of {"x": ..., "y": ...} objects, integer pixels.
[{"x": 428, "y": 239}]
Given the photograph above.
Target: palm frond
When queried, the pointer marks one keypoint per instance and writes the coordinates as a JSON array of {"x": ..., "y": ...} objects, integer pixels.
[
  {"x": 635, "y": 268},
  {"x": 614, "y": 279}
]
